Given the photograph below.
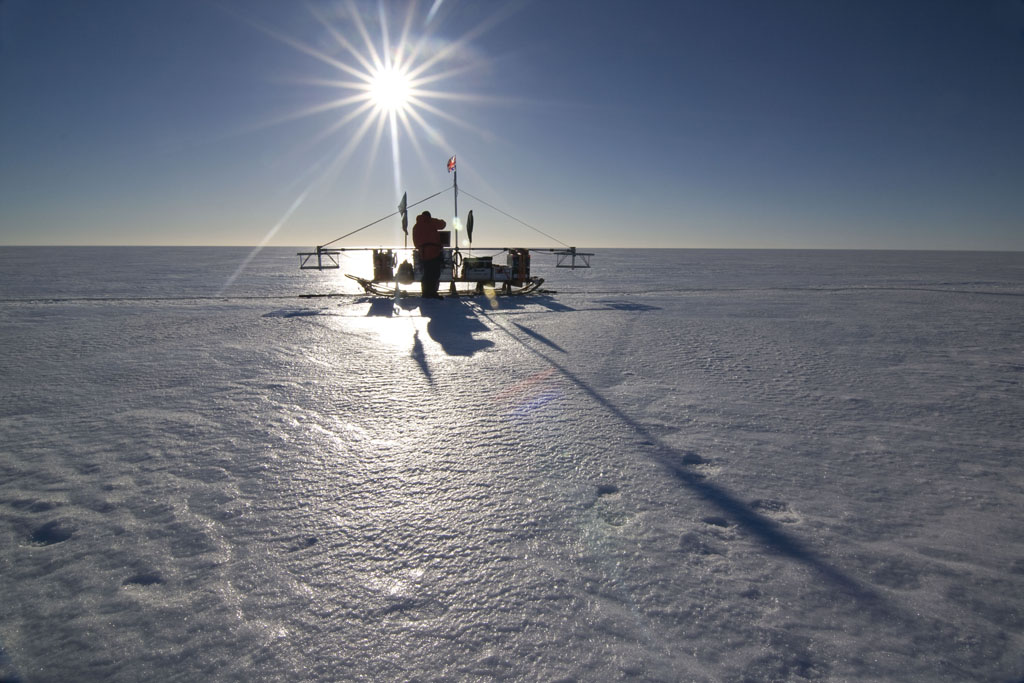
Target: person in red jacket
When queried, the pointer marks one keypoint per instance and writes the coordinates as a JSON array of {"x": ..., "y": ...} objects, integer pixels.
[{"x": 426, "y": 237}]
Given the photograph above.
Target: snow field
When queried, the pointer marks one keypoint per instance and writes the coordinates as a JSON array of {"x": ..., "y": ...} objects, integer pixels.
[{"x": 737, "y": 483}]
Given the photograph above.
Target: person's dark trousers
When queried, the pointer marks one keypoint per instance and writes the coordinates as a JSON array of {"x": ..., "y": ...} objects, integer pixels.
[{"x": 431, "y": 276}]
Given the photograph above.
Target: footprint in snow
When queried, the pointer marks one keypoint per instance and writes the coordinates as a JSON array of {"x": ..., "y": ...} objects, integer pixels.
[
  {"x": 696, "y": 466},
  {"x": 777, "y": 510},
  {"x": 307, "y": 542},
  {"x": 609, "y": 506},
  {"x": 143, "y": 579},
  {"x": 51, "y": 533},
  {"x": 691, "y": 458},
  {"x": 696, "y": 544},
  {"x": 34, "y": 505}
]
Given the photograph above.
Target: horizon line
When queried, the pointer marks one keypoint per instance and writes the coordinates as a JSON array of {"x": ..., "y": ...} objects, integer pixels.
[{"x": 488, "y": 248}]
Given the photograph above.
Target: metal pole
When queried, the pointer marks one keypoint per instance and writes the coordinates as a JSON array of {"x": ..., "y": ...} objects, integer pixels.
[
  {"x": 455, "y": 184},
  {"x": 455, "y": 232}
]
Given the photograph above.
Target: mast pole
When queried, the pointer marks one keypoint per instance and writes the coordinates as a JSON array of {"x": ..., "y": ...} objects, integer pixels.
[{"x": 455, "y": 185}]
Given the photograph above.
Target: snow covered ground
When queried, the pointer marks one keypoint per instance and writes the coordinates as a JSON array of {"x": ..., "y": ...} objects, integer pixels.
[{"x": 682, "y": 466}]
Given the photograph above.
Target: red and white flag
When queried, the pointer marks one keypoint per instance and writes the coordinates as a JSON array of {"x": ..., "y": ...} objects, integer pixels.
[{"x": 451, "y": 164}]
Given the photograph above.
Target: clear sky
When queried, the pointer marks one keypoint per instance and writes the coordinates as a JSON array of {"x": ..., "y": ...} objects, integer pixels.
[{"x": 676, "y": 123}]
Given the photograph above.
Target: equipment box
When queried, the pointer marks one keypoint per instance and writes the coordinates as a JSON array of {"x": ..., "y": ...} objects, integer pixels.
[
  {"x": 383, "y": 265},
  {"x": 477, "y": 269},
  {"x": 447, "y": 267},
  {"x": 519, "y": 264}
]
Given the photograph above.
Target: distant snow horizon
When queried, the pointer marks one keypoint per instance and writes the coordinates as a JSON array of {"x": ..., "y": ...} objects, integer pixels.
[{"x": 467, "y": 248}]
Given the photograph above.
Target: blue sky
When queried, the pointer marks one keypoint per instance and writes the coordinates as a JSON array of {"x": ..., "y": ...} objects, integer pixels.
[{"x": 732, "y": 123}]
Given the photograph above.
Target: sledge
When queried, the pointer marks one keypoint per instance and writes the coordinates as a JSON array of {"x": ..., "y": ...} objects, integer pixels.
[
  {"x": 465, "y": 275},
  {"x": 505, "y": 271},
  {"x": 480, "y": 273}
]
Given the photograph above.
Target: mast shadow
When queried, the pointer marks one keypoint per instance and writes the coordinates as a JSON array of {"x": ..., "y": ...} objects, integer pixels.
[
  {"x": 539, "y": 337},
  {"x": 634, "y": 306},
  {"x": 517, "y": 303},
  {"x": 767, "y": 531}
]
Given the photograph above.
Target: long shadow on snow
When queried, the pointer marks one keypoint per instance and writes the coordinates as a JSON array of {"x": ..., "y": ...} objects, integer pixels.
[
  {"x": 518, "y": 304},
  {"x": 420, "y": 356},
  {"x": 766, "y": 530},
  {"x": 539, "y": 337}
]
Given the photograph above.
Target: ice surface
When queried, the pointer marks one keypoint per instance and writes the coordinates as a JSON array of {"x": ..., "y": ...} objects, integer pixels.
[{"x": 683, "y": 466}]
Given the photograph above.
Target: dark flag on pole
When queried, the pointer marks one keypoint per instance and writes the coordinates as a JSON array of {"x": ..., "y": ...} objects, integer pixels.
[
  {"x": 451, "y": 164},
  {"x": 469, "y": 226},
  {"x": 405, "y": 213}
]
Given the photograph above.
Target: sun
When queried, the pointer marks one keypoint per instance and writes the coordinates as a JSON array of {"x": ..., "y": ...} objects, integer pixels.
[{"x": 390, "y": 90}]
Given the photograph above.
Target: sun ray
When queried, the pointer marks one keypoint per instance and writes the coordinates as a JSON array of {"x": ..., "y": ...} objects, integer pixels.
[
  {"x": 404, "y": 38},
  {"x": 433, "y": 9},
  {"x": 413, "y": 139},
  {"x": 385, "y": 37},
  {"x": 305, "y": 113},
  {"x": 432, "y": 133},
  {"x": 376, "y": 61},
  {"x": 341, "y": 123},
  {"x": 451, "y": 48},
  {"x": 329, "y": 83},
  {"x": 473, "y": 98},
  {"x": 353, "y": 142},
  {"x": 367, "y": 65},
  {"x": 417, "y": 81},
  {"x": 269, "y": 236},
  {"x": 305, "y": 49},
  {"x": 445, "y": 115},
  {"x": 396, "y": 158},
  {"x": 378, "y": 132}
]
